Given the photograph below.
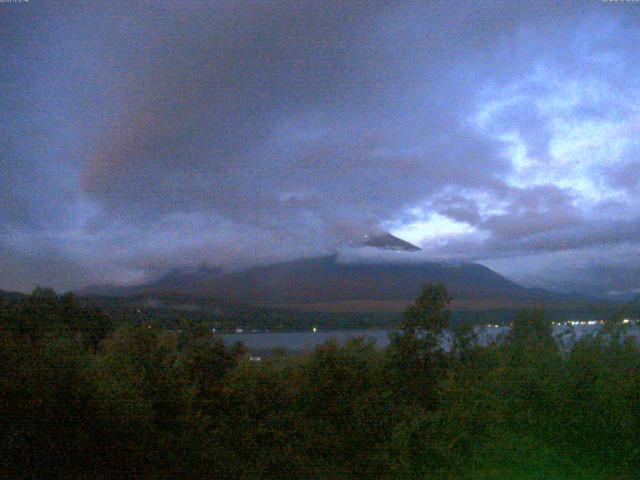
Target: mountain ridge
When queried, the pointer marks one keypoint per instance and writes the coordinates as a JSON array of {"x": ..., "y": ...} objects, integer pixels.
[
  {"x": 327, "y": 281},
  {"x": 387, "y": 241}
]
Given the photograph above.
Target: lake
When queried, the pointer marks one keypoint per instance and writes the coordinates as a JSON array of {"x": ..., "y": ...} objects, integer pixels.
[{"x": 308, "y": 340}]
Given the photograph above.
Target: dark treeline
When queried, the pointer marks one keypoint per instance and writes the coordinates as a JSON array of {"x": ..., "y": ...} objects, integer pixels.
[
  {"x": 171, "y": 310},
  {"x": 82, "y": 398}
]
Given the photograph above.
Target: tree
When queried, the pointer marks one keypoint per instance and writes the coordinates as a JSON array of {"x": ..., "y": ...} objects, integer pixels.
[
  {"x": 204, "y": 361},
  {"x": 428, "y": 312},
  {"x": 414, "y": 352},
  {"x": 532, "y": 329}
]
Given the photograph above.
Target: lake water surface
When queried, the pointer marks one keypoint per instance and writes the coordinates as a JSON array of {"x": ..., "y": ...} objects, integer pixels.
[{"x": 307, "y": 341}]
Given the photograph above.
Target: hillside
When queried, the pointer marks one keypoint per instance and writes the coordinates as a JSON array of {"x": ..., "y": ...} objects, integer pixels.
[
  {"x": 324, "y": 283},
  {"x": 386, "y": 241},
  {"x": 324, "y": 280},
  {"x": 178, "y": 279}
]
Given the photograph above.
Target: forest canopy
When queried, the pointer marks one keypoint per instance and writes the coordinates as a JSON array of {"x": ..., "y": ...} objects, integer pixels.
[{"x": 81, "y": 396}]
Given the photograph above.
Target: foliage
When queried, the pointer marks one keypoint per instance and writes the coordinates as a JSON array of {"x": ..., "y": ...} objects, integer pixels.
[
  {"x": 428, "y": 311},
  {"x": 414, "y": 355},
  {"x": 80, "y": 399}
]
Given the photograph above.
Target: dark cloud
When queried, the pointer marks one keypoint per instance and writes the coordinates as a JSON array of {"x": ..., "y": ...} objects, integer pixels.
[
  {"x": 624, "y": 176},
  {"x": 141, "y": 136}
]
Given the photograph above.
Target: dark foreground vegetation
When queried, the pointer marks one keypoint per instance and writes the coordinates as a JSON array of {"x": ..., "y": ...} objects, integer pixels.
[{"x": 80, "y": 398}]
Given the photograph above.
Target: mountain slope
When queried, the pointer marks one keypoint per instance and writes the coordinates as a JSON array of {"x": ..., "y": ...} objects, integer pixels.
[
  {"x": 386, "y": 241},
  {"x": 324, "y": 279},
  {"x": 324, "y": 283},
  {"x": 178, "y": 279}
]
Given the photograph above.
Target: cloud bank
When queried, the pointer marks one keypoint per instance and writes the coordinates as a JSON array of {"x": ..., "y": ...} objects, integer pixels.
[{"x": 140, "y": 137}]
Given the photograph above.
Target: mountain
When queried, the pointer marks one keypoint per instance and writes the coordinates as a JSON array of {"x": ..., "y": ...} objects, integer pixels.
[
  {"x": 325, "y": 281},
  {"x": 110, "y": 290},
  {"x": 184, "y": 277},
  {"x": 386, "y": 241},
  {"x": 178, "y": 279},
  {"x": 326, "y": 284}
]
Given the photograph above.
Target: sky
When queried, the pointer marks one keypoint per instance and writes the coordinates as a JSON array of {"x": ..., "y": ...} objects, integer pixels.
[{"x": 142, "y": 136}]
